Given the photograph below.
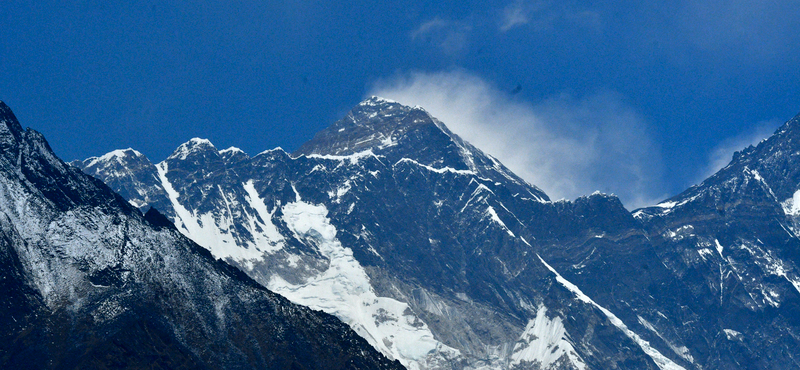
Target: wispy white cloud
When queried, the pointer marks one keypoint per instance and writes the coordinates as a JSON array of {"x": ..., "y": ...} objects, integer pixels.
[
  {"x": 569, "y": 146},
  {"x": 547, "y": 14},
  {"x": 452, "y": 37},
  {"x": 721, "y": 155},
  {"x": 514, "y": 14}
]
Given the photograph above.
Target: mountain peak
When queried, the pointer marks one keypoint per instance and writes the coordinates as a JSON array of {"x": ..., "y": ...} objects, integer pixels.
[
  {"x": 194, "y": 145},
  {"x": 375, "y": 123},
  {"x": 376, "y": 100},
  {"x": 10, "y": 129},
  {"x": 118, "y": 155}
]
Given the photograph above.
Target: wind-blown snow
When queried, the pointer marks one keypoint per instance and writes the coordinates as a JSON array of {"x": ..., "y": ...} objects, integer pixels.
[
  {"x": 344, "y": 290},
  {"x": 661, "y": 361},
  {"x": 376, "y": 101}
]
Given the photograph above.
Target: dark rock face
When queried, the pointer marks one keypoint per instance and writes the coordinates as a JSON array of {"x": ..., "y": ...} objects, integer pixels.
[
  {"x": 733, "y": 241},
  {"x": 88, "y": 282}
]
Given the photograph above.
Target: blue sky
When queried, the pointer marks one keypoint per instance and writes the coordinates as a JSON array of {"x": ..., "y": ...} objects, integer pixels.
[{"x": 640, "y": 99}]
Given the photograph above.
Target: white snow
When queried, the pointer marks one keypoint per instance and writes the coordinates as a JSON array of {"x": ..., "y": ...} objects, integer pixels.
[
  {"x": 661, "y": 361},
  {"x": 545, "y": 341},
  {"x": 353, "y": 158},
  {"x": 791, "y": 206},
  {"x": 668, "y": 207},
  {"x": 188, "y": 147},
  {"x": 269, "y": 151},
  {"x": 682, "y": 351},
  {"x": 758, "y": 177},
  {"x": 375, "y": 100},
  {"x": 493, "y": 214},
  {"x": 437, "y": 170},
  {"x": 232, "y": 149},
  {"x": 719, "y": 248},
  {"x": 270, "y": 239},
  {"x": 705, "y": 253},
  {"x": 732, "y": 334},
  {"x": 337, "y": 194},
  {"x": 206, "y": 230},
  {"x": 344, "y": 290},
  {"x": 113, "y": 155}
]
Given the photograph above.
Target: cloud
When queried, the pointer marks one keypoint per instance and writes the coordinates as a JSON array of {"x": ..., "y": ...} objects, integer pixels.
[
  {"x": 737, "y": 32},
  {"x": 514, "y": 15},
  {"x": 721, "y": 155},
  {"x": 449, "y": 36},
  {"x": 568, "y": 146},
  {"x": 547, "y": 15}
]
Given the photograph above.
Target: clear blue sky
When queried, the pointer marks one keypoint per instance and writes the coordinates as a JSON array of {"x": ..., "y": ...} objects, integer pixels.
[{"x": 687, "y": 78}]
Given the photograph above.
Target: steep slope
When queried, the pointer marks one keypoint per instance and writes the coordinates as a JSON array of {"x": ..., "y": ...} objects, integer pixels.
[
  {"x": 89, "y": 282},
  {"x": 733, "y": 240},
  {"x": 427, "y": 247}
]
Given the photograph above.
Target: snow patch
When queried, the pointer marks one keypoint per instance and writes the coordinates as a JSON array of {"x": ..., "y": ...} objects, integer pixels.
[
  {"x": 667, "y": 207},
  {"x": 376, "y": 100},
  {"x": 791, "y": 206},
  {"x": 544, "y": 342},
  {"x": 437, "y": 170},
  {"x": 206, "y": 230},
  {"x": 352, "y": 158},
  {"x": 682, "y": 351},
  {"x": 270, "y": 239},
  {"x": 190, "y": 146},
  {"x": 115, "y": 155},
  {"x": 232, "y": 149},
  {"x": 719, "y": 248},
  {"x": 732, "y": 334},
  {"x": 344, "y": 290},
  {"x": 493, "y": 214}
]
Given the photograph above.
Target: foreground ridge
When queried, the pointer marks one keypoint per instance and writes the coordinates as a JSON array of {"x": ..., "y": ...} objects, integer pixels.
[{"x": 90, "y": 282}]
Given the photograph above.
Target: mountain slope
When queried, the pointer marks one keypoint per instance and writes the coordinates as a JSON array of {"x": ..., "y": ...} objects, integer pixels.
[
  {"x": 427, "y": 247},
  {"x": 89, "y": 282},
  {"x": 734, "y": 240}
]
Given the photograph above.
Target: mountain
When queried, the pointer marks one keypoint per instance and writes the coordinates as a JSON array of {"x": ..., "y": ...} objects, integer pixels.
[
  {"x": 734, "y": 240},
  {"x": 430, "y": 249},
  {"x": 89, "y": 282}
]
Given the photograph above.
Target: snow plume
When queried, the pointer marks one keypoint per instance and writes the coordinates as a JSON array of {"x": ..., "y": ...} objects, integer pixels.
[
  {"x": 451, "y": 37},
  {"x": 568, "y": 146},
  {"x": 721, "y": 155}
]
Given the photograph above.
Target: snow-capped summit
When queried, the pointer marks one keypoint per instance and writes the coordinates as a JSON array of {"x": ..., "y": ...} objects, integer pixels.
[
  {"x": 233, "y": 154},
  {"x": 375, "y": 123},
  {"x": 407, "y": 135},
  {"x": 193, "y": 147}
]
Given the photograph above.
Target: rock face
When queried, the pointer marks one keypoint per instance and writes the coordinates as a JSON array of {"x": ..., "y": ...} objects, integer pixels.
[
  {"x": 89, "y": 282},
  {"x": 428, "y": 248},
  {"x": 733, "y": 240}
]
